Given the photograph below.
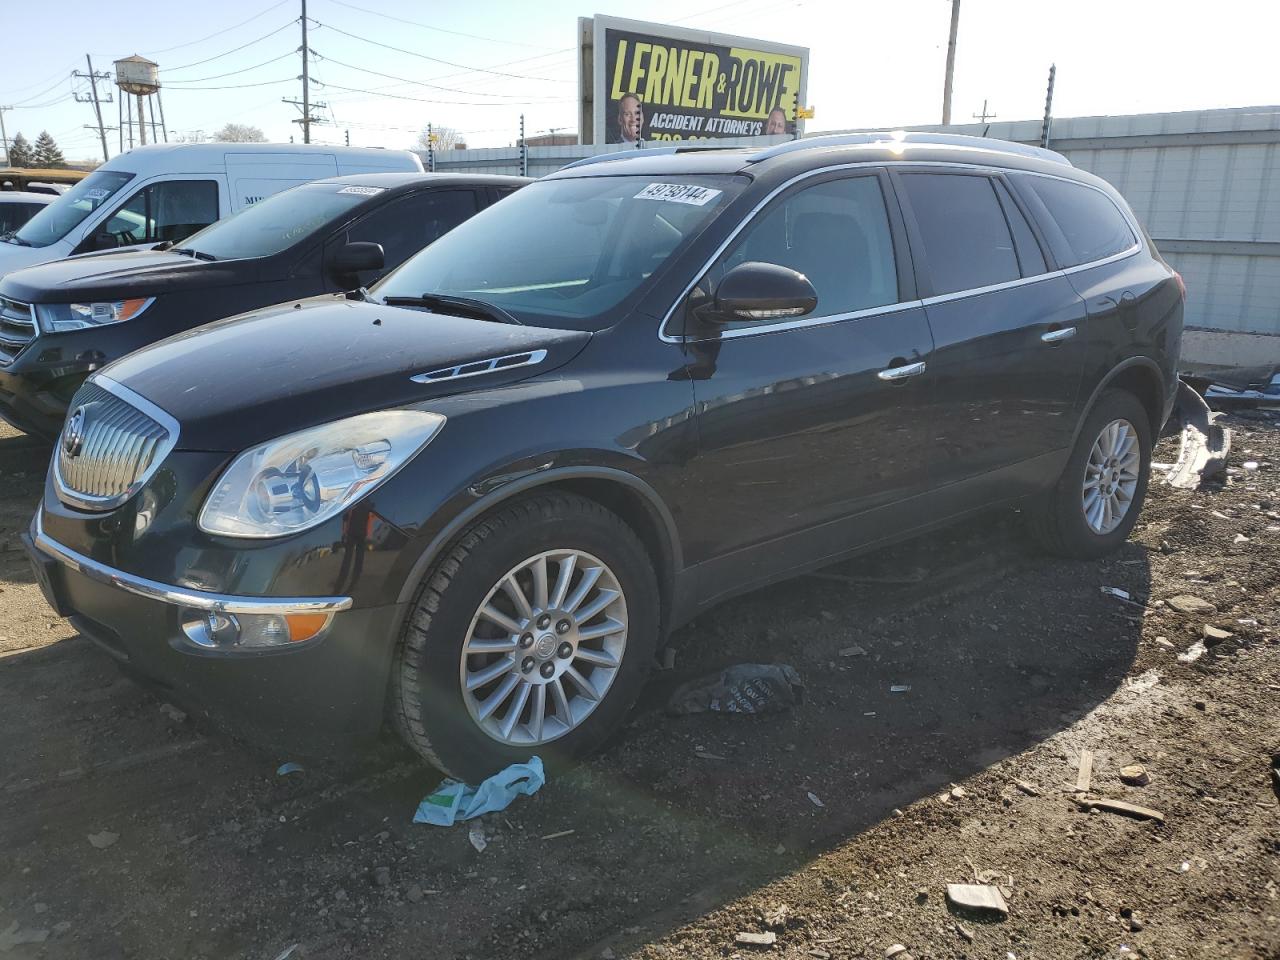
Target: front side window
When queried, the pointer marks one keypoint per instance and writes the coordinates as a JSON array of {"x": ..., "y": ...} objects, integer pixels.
[
  {"x": 411, "y": 223},
  {"x": 1090, "y": 222},
  {"x": 565, "y": 252},
  {"x": 70, "y": 210},
  {"x": 169, "y": 210},
  {"x": 966, "y": 238},
  {"x": 14, "y": 215},
  {"x": 835, "y": 233}
]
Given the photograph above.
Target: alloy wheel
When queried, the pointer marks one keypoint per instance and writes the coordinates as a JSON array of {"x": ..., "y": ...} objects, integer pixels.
[
  {"x": 1111, "y": 476},
  {"x": 544, "y": 647}
]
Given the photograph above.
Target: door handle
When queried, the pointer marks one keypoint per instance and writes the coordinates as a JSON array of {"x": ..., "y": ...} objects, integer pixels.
[
  {"x": 1059, "y": 335},
  {"x": 898, "y": 374}
]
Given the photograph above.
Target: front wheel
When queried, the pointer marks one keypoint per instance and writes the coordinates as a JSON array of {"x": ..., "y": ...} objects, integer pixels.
[
  {"x": 1095, "y": 503},
  {"x": 532, "y": 636}
]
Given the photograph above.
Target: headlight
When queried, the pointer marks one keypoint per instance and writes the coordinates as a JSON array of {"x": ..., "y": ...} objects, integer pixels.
[
  {"x": 61, "y": 317},
  {"x": 298, "y": 481}
]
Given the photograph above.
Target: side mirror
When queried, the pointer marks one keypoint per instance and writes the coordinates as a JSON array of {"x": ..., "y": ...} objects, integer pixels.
[
  {"x": 762, "y": 291},
  {"x": 355, "y": 258}
]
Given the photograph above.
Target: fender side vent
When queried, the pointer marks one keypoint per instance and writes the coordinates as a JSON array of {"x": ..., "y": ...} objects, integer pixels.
[{"x": 477, "y": 367}]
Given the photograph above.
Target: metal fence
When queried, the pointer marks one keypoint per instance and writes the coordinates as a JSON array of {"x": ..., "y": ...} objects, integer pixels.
[{"x": 1205, "y": 183}]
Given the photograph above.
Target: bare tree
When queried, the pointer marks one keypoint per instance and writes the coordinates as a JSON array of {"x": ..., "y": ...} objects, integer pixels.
[
  {"x": 443, "y": 138},
  {"x": 240, "y": 133}
]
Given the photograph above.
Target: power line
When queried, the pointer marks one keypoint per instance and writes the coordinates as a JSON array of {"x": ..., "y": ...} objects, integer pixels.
[
  {"x": 427, "y": 26},
  {"x": 192, "y": 43},
  {"x": 420, "y": 83},
  {"x": 447, "y": 63},
  {"x": 239, "y": 86},
  {"x": 38, "y": 83},
  {"x": 37, "y": 106},
  {"x": 459, "y": 103},
  {"x": 234, "y": 49},
  {"x": 45, "y": 92},
  {"x": 232, "y": 73}
]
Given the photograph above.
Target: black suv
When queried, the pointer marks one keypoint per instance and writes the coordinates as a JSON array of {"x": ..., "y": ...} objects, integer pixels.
[
  {"x": 60, "y": 321},
  {"x": 473, "y": 499}
]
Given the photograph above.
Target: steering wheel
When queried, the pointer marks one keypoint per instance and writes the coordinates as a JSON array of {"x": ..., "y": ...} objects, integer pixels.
[{"x": 125, "y": 238}]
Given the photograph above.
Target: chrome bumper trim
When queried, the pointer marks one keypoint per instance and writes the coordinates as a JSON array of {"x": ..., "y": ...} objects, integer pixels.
[{"x": 179, "y": 596}]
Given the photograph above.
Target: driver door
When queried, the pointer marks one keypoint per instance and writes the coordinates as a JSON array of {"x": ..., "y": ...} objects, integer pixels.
[
  {"x": 811, "y": 435},
  {"x": 162, "y": 210}
]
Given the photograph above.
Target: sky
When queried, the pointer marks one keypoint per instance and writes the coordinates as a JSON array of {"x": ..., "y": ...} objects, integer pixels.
[{"x": 476, "y": 66}]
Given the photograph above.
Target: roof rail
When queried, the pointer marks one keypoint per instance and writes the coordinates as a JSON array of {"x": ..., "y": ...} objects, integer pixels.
[
  {"x": 649, "y": 152},
  {"x": 902, "y": 136}
]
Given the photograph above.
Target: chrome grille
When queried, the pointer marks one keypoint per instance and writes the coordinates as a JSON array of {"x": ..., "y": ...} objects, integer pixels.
[
  {"x": 111, "y": 444},
  {"x": 17, "y": 327}
]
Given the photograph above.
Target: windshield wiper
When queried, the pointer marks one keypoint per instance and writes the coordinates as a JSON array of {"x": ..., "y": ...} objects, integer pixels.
[
  {"x": 438, "y": 303},
  {"x": 197, "y": 254},
  {"x": 12, "y": 237}
]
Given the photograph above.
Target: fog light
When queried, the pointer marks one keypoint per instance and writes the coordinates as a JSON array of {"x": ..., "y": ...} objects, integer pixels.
[{"x": 250, "y": 631}]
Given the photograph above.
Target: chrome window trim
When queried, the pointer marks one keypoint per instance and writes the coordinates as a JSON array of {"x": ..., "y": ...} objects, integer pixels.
[
  {"x": 178, "y": 596},
  {"x": 763, "y": 328},
  {"x": 73, "y": 498}
]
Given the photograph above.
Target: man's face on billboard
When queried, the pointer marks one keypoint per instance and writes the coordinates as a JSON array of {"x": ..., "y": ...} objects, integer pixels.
[
  {"x": 775, "y": 123},
  {"x": 630, "y": 118}
]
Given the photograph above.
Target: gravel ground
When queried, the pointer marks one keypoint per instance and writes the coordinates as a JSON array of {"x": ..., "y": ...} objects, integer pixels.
[{"x": 128, "y": 830}]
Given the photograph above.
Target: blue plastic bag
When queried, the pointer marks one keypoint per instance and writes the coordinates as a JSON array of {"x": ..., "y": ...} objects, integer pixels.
[{"x": 453, "y": 800}]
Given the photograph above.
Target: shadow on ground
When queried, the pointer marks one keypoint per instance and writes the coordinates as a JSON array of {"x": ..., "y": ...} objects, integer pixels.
[{"x": 217, "y": 856}]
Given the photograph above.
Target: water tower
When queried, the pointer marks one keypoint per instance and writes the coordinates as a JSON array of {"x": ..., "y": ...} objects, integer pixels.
[{"x": 140, "y": 77}]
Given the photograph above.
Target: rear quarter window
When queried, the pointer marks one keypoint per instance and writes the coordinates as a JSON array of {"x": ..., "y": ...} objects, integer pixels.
[{"x": 1091, "y": 224}]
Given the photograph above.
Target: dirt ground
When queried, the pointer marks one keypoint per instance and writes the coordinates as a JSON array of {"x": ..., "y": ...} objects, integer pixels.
[{"x": 129, "y": 832}]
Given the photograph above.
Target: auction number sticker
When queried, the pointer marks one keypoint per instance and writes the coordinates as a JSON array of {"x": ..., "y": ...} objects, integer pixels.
[
  {"x": 97, "y": 193},
  {"x": 363, "y": 191},
  {"x": 678, "y": 193}
]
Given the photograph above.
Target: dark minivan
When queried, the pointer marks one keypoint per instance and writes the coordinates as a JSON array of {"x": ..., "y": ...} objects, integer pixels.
[
  {"x": 472, "y": 502},
  {"x": 60, "y": 321}
]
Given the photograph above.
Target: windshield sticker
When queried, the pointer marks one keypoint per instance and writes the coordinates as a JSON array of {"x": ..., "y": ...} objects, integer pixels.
[
  {"x": 363, "y": 191},
  {"x": 97, "y": 193},
  {"x": 678, "y": 193}
]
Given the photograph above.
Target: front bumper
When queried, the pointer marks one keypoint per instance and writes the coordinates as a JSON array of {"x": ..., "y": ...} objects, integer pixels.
[
  {"x": 35, "y": 399},
  {"x": 323, "y": 696}
]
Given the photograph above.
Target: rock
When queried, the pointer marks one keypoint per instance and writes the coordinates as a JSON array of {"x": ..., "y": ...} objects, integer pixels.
[
  {"x": 14, "y": 936},
  {"x": 1240, "y": 538},
  {"x": 1026, "y": 788},
  {"x": 1164, "y": 642},
  {"x": 976, "y": 896},
  {"x": 964, "y": 931},
  {"x": 746, "y": 939},
  {"x": 104, "y": 839},
  {"x": 1192, "y": 605},
  {"x": 173, "y": 713},
  {"x": 607, "y": 954},
  {"x": 776, "y": 919},
  {"x": 61, "y": 927},
  {"x": 41, "y": 908},
  {"x": 339, "y": 894},
  {"x": 853, "y": 651},
  {"x": 381, "y": 876},
  {"x": 414, "y": 894},
  {"x": 958, "y": 793},
  {"x": 899, "y": 951},
  {"x": 1135, "y": 775},
  {"x": 1214, "y": 635},
  {"x": 1135, "y": 925},
  {"x": 1194, "y": 652}
]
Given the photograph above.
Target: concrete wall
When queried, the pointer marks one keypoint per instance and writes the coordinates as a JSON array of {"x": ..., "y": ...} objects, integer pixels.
[{"x": 1205, "y": 183}]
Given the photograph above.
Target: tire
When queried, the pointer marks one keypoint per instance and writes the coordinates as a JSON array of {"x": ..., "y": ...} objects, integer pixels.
[
  {"x": 430, "y": 705},
  {"x": 1059, "y": 522}
]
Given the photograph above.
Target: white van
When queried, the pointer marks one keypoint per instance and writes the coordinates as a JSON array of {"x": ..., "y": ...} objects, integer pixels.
[{"x": 169, "y": 191}]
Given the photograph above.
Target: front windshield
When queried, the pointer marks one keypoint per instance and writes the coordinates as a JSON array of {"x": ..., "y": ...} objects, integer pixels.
[
  {"x": 279, "y": 221},
  {"x": 564, "y": 252},
  {"x": 67, "y": 212}
]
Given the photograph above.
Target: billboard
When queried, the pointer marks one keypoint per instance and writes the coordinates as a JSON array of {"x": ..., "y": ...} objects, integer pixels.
[{"x": 651, "y": 82}]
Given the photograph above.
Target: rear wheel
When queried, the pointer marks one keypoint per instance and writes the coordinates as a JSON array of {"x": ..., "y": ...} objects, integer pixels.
[
  {"x": 532, "y": 636},
  {"x": 1094, "y": 505}
]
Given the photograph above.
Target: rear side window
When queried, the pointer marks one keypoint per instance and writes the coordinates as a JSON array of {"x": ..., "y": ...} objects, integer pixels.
[
  {"x": 1090, "y": 222},
  {"x": 966, "y": 238},
  {"x": 837, "y": 235}
]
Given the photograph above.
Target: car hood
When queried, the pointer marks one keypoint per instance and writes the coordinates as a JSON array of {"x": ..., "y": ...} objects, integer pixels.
[
  {"x": 244, "y": 380},
  {"x": 14, "y": 256},
  {"x": 117, "y": 276}
]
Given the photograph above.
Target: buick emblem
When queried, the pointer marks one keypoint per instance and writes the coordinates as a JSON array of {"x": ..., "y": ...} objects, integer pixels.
[{"x": 73, "y": 434}]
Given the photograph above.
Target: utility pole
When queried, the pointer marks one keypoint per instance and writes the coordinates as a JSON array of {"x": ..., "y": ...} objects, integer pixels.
[
  {"x": 524, "y": 151},
  {"x": 93, "y": 79},
  {"x": 348, "y": 135},
  {"x": 1048, "y": 109},
  {"x": 984, "y": 116},
  {"x": 951, "y": 62},
  {"x": 4, "y": 138},
  {"x": 431, "y": 149},
  {"x": 306, "y": 80}
]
